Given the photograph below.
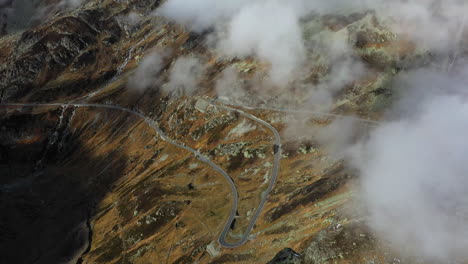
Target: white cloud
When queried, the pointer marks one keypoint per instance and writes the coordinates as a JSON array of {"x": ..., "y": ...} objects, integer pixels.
[
  {"x": 184, "y": 75},
  {"x": 270, "y": 31},
  {"x": 414, "y": 169},
  {"x": 147, "y": 72}
]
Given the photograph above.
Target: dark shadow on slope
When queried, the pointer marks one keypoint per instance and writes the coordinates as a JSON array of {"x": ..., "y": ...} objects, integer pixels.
[
  {"x": 331, "y": 181},
  {"x": 46, "y": 218}
]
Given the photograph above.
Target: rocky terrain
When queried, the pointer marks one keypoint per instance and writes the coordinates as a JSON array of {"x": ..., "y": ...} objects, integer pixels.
[{"x": 88, "y": 184}]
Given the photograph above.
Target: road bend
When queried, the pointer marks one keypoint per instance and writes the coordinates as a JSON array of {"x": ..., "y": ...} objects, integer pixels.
[{"x": 264, "y": 195}]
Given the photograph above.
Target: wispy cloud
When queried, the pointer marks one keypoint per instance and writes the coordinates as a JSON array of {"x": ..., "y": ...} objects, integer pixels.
[
  {"x": 184, "y": 76},
  {"x": 147, "y": 73}
]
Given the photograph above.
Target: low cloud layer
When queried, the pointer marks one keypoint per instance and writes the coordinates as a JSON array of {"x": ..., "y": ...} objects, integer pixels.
[
  {"x": 415, "y": 176},
  {"x": 267, "y": 30},
  {"x": 200, "y": 15}
]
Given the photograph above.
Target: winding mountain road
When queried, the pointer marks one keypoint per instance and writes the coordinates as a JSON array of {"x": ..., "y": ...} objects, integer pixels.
[
  {"x": 199, "y": 156},
  {"x": 221, "y": 104},
  {"x": 277, "y": 157}
]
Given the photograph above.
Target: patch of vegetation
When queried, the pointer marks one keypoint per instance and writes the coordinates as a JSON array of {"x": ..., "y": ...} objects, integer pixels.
[
  {"x": 109, "y": 251},
  {"x": 150, "y": 224},
  {"x": 281, "y": 230},
  {"x": 331, "y": 181}
]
